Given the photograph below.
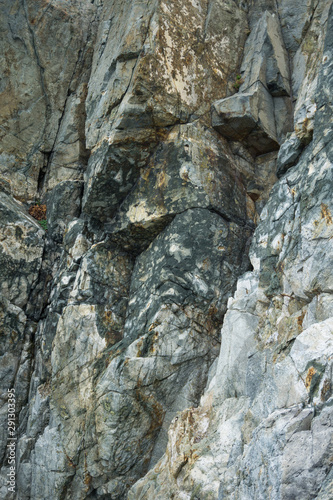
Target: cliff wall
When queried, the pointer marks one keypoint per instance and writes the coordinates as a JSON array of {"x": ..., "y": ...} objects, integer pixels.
[{"x": 167, "y": 325}]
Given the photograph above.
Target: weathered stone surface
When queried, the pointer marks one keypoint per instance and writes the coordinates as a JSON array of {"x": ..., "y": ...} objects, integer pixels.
[
  {"x": 296, "y": 18},
  {"x": 288, "y": 154},
  {"x": 21, "y": 249},
  {"x": 266, "y": 58},
  {"x": 146, "y": 364},
  {"x": 259, "y": 412},
  {"x": 64, "y": 204},
  {"x": 260, "y": 114},
  {"x": 148, "y": 77},
  {"x": 249, "y": 118},
  {"x": 306, "y": 63},
  {"x": 42, "y": 50},
  {"x": 113, "y": 169},
  {"x": 267, "y": 409},
  {"x": 129, "y": 387},
  {"x": 191, "y": 169}
]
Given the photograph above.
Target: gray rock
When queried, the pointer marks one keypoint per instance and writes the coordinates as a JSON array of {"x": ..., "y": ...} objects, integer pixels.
[
  {"x": 260, "y": 114},
  {"x": 249, "y": 118},
  {"x": 146, "y": 364},
  {"x": 288, "y": 155},
  {"x": 63, "y": 204},
  {"x": 179, "y": 177},
  {"x": 266, "y": 58},
  {"x": 268, "y": 404},
  {"x": 42, "y": 51},
  {"x": 21, "y": 250},
  {"x": 148, "y": 76}
]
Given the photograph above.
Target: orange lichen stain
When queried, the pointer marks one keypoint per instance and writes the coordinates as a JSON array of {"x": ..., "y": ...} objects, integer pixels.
[
  {"x": 161, "y": 180},
  {"x": 326, "y": 214},
  {"x": 300, "y": 319},
  {"x": 70, "y": 461},
  {"x": 139, "y": 346},
  {"x": 152, "y": 326},
  {"x": 87, "y": 479},
  {"x": 206, "y": 264},
  {"x": 309, "y": 377}
]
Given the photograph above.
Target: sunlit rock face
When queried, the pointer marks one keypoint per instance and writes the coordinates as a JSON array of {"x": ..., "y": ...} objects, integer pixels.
[{"x": 167, "y": 326}]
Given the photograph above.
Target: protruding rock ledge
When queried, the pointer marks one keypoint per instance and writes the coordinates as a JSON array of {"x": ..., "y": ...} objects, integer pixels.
[{"x": 248, "y": 118}]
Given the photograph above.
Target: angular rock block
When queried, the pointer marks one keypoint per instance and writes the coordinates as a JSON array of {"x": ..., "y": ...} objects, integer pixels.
[
  {"x": 248, "y": 118},
  {"x": 190, "y": 169},
  {"x": 266, "y": 58}
]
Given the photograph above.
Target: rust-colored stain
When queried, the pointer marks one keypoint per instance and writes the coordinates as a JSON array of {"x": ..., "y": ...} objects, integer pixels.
[
  {"x": 70, "y": 461},
  {"x": 187, "y": 59},
  {"x": 113, "y": 337},
  {"x": 309, "y": 377},
  {"x": 188, "y": 434},
  {"x": 184, "y": 176},
  {"x": 87, "y": 479},
  {"x": 213, "y": 311},
  {"x": 305, "y": 124},
  {"x": 206, "y": 264},
  {"x": 300, "y": 320},
  {"x": 113, "y": 332},
  {"x": 326, "y": 390},
  {"x": 153, "y": 343},
  {"x": 326, "y": 214},
  {"x": 161, "y": 180},
  {"x": 153, "y": 408},
  {"x": 139, "y": 346},
  {"x": 152, "y": 326}
]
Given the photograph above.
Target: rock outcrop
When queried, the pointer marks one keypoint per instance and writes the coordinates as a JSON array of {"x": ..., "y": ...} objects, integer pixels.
[{"x": 168, "y": 327}]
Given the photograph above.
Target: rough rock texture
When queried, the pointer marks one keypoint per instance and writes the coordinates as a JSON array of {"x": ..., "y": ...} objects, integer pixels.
[
  {"x": 258, "y": 115},
  {"x": 264, "y": 426},
  {"x": 168, "y": 330}
]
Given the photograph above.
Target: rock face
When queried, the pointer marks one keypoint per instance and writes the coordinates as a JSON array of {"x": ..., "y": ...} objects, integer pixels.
[
  {"x": 258, "y": 115},
  {"x": 168, "y": 330}
]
